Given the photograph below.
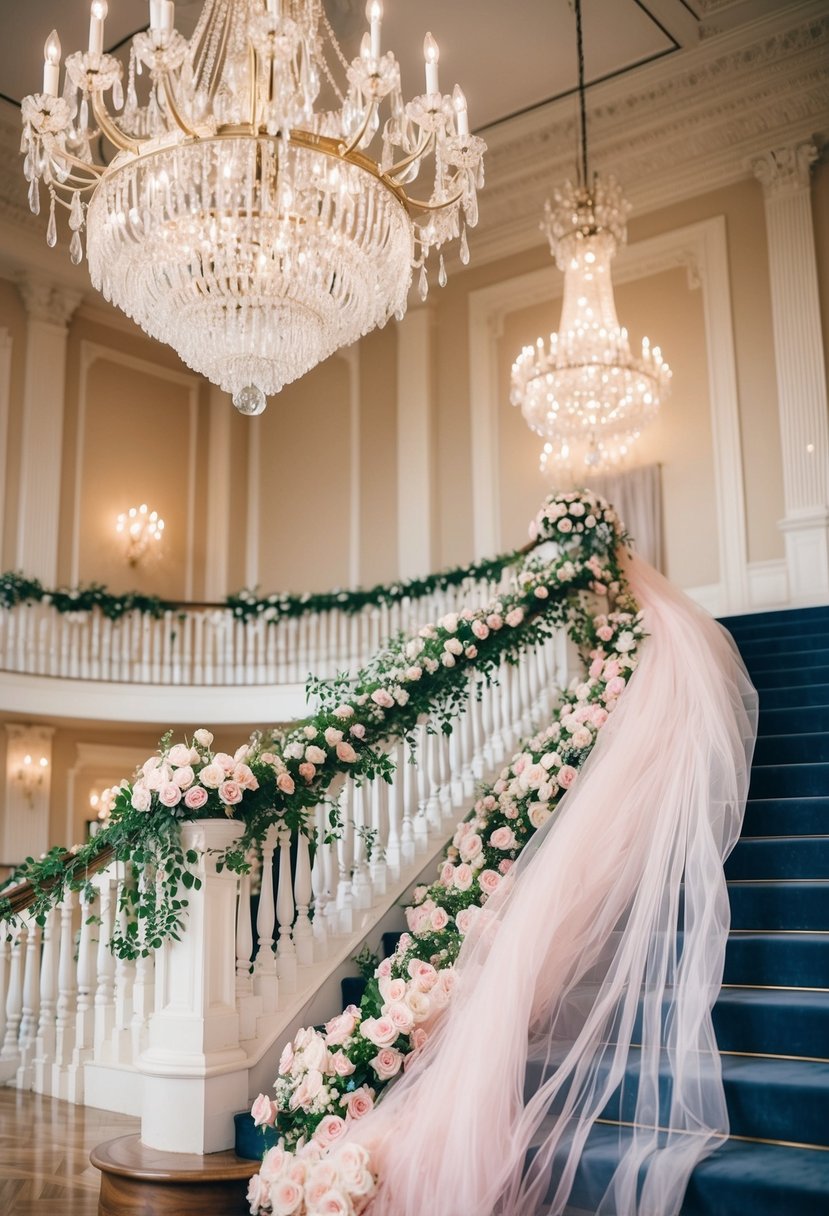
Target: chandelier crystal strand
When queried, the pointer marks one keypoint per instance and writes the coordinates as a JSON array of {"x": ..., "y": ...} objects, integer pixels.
[
  {"x": 238, "y": 222},
  {"x": 585, "y": 392}
]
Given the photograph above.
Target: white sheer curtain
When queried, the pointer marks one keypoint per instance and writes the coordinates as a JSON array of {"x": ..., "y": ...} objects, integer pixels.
[{"x": 637, "y": 496}]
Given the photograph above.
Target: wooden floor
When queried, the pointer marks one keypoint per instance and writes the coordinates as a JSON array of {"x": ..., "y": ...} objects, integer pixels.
[{"x": 44, "y": 1154}]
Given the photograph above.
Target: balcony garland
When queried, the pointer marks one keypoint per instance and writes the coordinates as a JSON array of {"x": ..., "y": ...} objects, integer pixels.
[
  {"x": 246, "y": 605},
  {"x": 280, "y": 778}
]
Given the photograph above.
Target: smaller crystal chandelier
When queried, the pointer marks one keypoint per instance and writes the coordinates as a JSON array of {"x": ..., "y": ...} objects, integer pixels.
[
  {"x": 586, "y": 393},
  {"x": 30, "y": 776},
  {"x": 141, "y": 529}
]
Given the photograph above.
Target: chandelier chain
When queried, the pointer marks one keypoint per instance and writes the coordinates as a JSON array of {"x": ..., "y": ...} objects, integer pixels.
[{"x": 582, "y": 96}]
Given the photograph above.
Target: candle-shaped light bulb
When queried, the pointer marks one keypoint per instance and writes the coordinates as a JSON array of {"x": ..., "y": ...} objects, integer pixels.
[
  {"x": 461, "y": 113},
  {"x": 168, "y": 16},
  {"x": 431, "y": 54},
  {"x": 155, "y": 14},
  {"x": 374, "y": 15},
  {"x": 51, "y": 65},
  {"x": 365, "y": 48},
  {"x": 96, "y": 26}
]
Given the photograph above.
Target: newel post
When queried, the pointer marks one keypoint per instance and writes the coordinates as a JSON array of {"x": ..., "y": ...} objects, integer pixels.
[{"x": 194, "y": 1069}]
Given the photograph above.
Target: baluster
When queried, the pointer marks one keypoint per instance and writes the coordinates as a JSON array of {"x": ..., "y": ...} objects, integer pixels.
[
  {"x": 124, "y": 983},
  {"x": 319, "y": 887},
  {"x": 526, "y": 691},
  {"x": 378, "y": 793},
  {"x": 286, "y": 964},
  {"x": 408, "y": 782},
  {"x": 265, "y": 982},
  {"x": 363, "y": 894},
  {"x": 44, "y": 1052},
  {"x": 421, "y": 821},
  {"x": 4, "y": 978},
  {"x": 434, "y": 813},
  {"x": 467, "y": 746},
  {"x": 143, "y": 989},
  {"x": 244, "y": 939},
  {"x": 345, "y": 859},
  {"x": 85, "y": 1015},
  {"x": 65, "y": 1016},
  {"x": 31, "y": 1005},
  {"x": 394, "y": 806},
  {"x": 476, "y": 713},
  {"x": 445, "y": 770},
  {"x": 456, "y": 760},
  {"x": 14, "y": 995},
  {"x": 105, "y": 963},
  {"x": 303, "y": 933}
]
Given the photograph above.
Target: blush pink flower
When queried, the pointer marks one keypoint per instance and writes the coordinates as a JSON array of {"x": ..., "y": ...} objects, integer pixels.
[
  {"x": 463, "y": 877},
  {"x": 382, "y": 698},
  {"x": 615, "y": 687},
  {"x": 141, "y": 797},
  {"x": 285, "y": 783},
  {"x": 489, "y": 881},
  {"x": 195, "y": 798},
  {"x": 565, "y": 776},
  {"x": 330, "y": 1130},
  {"x": 481, "y": 630},
  {"x": 263, "y": 1111},
  {"x": 359, "y": 1102},
  {"x": 503, "y": 838},
  {"x": 439, "y": 919},
  {"x": 169, "y": 794},
  {"x": 380, "y": 1031},
  {"x": 307, "y": 771},
  {"x": 341, "y": 1065},
  {"x": 514, "y": 617},
  {"x": 314, "y": 755},
  {"x": 358, "y": 731},
  {"x": 212, "y": 776},
  {"x": 333, "y": 736},
  {"x": 340, "y": 1027},
  {"x": 286, "y": 1060},
  {"x": 401, "y": 1015},
  {"x": 495, "y": 621},
  {"x": 344, "y": 711},
  {"x": 387, "y": 1063},
  {"x": 230, "y": 792},
  {"x": 346, "y": 753}
]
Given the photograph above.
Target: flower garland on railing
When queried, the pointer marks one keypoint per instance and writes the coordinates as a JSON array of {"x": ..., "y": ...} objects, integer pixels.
[
  {"x": 329, "y": 1078},
  {"x": 246, "y": 605},
  {"x": 279, "y": 779}
]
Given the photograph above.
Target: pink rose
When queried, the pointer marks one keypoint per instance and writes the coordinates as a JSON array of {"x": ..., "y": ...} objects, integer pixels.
[
  {"x": 401, "y": 1015},
  {"x": 514, "y": 617},
  {"x": 195, "y": 797},
  {"x": 141, "y": 797},
  {"x": 315, "y": 755},
  {"x": 286, "y": 1059},
  {"x": 333, "y": 736},
  {"x": 387, "y": 1063},
  {"x": 447, "y": 874},
  {"x": 330, "y": 1130},
  {"x": 230, "y": 792},
  {"x": 393, "y": 990},
  {"x": 466, "y": 918},
  {"x": 339, "y": 1028},
  {"x": 263, "y": 1111},
  {"x": 344, "y": 711},
  {"x": 273, "y": 1163},
  {"x": 184, "y": 777},
  {"x": 224, "y": 761},
  {"x": 181, "y": 754},
  {"x": 331, "y": 1203},
  {"x": 565, "y": 525},
  {"x": 440, "y": 919},
  {"x": 615, "y": 687},
  {"x": 384, "y": 968},
  {"x": 212, "y": 776},
  {"x": 463, "y": 877},
  {"x": 419, "y": 1035},
  {"x": 286, "y": 1197},
  {"x": 285, "y": 783},
  {"x": 342, "y": 1066},
  {"x": 243, "y": 775},
  {"x": 565, "y": 776},
  {"x": 424, "y": 974},
  {"x": 481, "y": 630},
  {"x": 605, "y": 633},
  {"x": 380, "y": 1031},
  {"x": 346, "y": 753},
  {"x": 307, "y": 771},
  {"x": 503, "y": 838},
  {"x": 382, "y": 698},
  {"x": 504, "y": 866},
  {"x": 541, "y": 593},
  {"x": 258, "y": 1195},
  {"x": 495, "y": 621},
  {"x": 169, "y": 794},
  {"x": 358, "y": 731},
  {"x": 414, "y": 673},
  {"x": 359, "y": 1102},
  {"x": 489, "y": 881}
]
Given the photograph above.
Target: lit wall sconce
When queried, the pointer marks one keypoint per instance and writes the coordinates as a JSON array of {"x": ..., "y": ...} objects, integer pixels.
[
  {"x": 141, "y": 529},
  {"x": 30, "y": 775}
]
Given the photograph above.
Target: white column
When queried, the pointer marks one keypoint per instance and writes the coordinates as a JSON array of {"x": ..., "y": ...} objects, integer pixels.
[
  {"x": 801, "y": 368},
  {"x": 194, "y": 1070},
  {"x": 415, "y": 441},
  {"x": 50, "y": 309},
  {"x": 25, "y": 824},
  {"x": 351, "y": 357},
  {"x": 218, "y": 498}
]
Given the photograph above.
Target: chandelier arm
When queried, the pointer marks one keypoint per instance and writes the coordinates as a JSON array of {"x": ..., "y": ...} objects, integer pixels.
[
  {"x": 172, "y": 106},
  {"x": 88, "y": 166},
  {"x": 421, "y": 150},
  {"x": 347, "y": 149},
  {"x": 110, "y": 129},
  {"x": 420, "y": 205}
]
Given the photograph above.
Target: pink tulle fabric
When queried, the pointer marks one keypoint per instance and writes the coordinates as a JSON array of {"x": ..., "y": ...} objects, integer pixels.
[{"x": 596, "y": 964}]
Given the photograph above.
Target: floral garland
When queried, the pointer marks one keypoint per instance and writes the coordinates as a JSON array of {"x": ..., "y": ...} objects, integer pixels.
[
  {"x": 16, "y": 588},
  {"x": 329, "y": 1078},
  {"x": 280, "y": 778}
]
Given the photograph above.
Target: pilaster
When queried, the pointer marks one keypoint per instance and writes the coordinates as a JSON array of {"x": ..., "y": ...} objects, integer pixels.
[
  {"x": 50, "y": 308},
  {"x": 801, "y": 369},
  {"x": 24, "y": 828},
  {"x": 415, "y": 441}
]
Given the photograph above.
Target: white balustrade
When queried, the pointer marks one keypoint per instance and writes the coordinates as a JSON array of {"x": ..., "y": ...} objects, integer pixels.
[{"x": 208, "y": 1006}]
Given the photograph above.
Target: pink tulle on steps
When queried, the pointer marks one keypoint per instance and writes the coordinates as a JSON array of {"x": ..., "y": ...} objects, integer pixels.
[{"x": 598, "y": 962}]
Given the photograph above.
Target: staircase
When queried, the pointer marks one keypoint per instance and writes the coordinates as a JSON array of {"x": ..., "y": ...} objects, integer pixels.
[{"x": 772, "y": 1015}]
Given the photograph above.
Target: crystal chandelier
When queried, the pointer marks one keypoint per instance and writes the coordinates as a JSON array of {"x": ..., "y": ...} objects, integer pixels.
[
  {"x": 141, "y": 529},
  {"x": 586, "y": 393},
  {"x": 252, "y": 231}
]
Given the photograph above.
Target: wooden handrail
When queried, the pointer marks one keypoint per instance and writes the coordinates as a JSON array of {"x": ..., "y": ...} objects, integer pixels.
[{"x": 23, "y": 895}]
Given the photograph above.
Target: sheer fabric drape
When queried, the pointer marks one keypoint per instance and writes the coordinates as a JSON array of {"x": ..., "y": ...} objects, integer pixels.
[
  {"x": 597, "y": 963},
  {"x": 637, "y": 496}
]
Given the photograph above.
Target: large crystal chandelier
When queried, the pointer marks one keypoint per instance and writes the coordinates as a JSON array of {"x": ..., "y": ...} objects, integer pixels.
[
  {"x": 586, "y": 393},
  {"x": 251, "y": 231}
]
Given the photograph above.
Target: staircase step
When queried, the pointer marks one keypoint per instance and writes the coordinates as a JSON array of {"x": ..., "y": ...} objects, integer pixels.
[
  {"x": 780, "y": 857},
  {"x": 789, "y": 780},
  {"x": 786, "y": 817},
  {"x": 786, "y": 696},
  {"x": 781, "y": 618},
  {"x": 352, "y": 988},
  {"x": 764, "y": 675},
  {"x": 793, "y": 720},
  {"x": 783, "y": 646},
  {"x": 790, "y": 960},
  {"x": 780, "y": 905},
  {"x": 804, "y": 748},
  {"x": 773, "y": 1022},
  {"x": 767, "y": 1180}
]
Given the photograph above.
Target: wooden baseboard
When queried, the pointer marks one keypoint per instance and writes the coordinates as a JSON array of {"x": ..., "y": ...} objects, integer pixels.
[{"x": 136, "y": 1179}]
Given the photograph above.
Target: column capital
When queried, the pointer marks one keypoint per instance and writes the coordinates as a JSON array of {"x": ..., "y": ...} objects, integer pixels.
[
  {"x": 785, "y": 170},
  {"x": 46, "y": 300}
]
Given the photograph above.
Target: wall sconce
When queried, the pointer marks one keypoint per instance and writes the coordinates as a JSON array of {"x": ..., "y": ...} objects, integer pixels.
[
  {"x": 141, "y": 529},
  {"x": 30, "y": 775}
]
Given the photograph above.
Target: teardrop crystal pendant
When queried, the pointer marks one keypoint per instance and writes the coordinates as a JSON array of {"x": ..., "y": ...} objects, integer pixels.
[
  {"x": 34, "y": 196},
  {"x": 76, "y": 249},
  {"x": 464, "y": 249},
  {"x": 442, "y": 272},
  {"x": 76, "y": 212},
  {"x": 423, "y": 284},
  {"x": 52, "y": 227}
]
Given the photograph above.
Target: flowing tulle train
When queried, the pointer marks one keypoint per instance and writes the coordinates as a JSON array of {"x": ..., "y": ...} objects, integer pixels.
[{"x": 596, "y": 964}]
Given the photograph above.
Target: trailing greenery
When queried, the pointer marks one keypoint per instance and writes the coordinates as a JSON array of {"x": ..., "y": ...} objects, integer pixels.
[
  {"x": 278, "y": 778},
  {"x": 246, "y": 605}
]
